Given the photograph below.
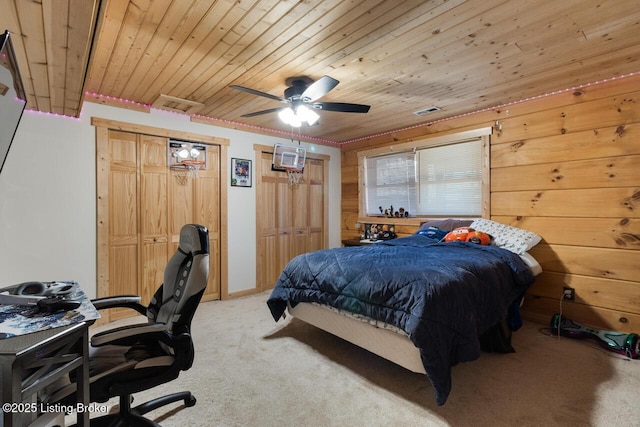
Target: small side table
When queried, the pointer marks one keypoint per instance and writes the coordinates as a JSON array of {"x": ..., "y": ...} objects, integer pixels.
[{"x": 358, "y": 242}]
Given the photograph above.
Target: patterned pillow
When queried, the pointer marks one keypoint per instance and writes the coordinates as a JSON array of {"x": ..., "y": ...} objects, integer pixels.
[{"x": 507, "y": 237}]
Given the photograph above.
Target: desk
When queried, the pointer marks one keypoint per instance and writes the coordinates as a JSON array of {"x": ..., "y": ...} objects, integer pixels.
[
  {"x": 30, "y": 362},
  {"x": 41, "y": 348}
]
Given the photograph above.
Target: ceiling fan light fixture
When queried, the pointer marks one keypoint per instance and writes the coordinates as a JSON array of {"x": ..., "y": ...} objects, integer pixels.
[
  {"x": 306, "y": 114},
  {"x": 301, "y": 95},
  {"x": 301, "y": 114},
  {"x": 289, "y": 117}
]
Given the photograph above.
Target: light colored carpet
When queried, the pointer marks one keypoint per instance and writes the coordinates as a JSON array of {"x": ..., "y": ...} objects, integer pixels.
[{"x": 250, "y": 371}]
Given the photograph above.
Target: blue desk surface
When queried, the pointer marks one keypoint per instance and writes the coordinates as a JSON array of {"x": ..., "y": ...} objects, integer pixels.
[{"x": 23, "y": 319}]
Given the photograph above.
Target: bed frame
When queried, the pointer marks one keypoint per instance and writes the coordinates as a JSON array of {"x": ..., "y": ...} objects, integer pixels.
[{"x": 386, "y": 343}]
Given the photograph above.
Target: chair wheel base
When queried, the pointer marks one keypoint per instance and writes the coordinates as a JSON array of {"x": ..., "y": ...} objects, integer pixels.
[
  {"x": 134, "y": 417},
  {"x": 190, "y": 401}
]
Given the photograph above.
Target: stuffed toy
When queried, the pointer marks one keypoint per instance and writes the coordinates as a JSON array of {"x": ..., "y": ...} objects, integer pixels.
[{"x": 468, "y": 234}]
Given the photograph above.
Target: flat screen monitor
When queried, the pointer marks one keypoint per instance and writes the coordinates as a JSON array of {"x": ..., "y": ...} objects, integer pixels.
[{"x": 12, "y": 96}]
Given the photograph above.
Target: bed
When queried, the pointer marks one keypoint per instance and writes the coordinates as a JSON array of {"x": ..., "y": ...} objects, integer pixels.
[{"x": 421, "y": 303}]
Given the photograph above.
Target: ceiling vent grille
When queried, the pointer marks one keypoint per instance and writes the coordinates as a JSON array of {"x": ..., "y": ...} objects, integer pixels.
[
  {"x": 179, "y": 105},
  {"x": 427, "y": 110}
]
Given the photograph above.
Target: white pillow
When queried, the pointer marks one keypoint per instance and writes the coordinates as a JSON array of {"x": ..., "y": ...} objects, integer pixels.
[{"x": 507, "y": 237}]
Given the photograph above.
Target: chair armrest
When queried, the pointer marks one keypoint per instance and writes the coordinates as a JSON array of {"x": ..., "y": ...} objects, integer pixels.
[
  {"x": 130, "y": 334},
  {"x": 121, "y": 301}
]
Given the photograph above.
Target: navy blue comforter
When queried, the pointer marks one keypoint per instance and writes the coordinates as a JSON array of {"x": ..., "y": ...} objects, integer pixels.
[{"x": 443, "y": 295}]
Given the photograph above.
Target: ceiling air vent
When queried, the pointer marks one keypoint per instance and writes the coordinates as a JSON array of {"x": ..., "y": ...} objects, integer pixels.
[
  {"x": 427, "y": 110},
  {"x": 179, "y": 105}
]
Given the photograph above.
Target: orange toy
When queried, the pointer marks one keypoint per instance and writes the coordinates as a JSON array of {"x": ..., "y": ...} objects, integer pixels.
[
  {"x": 459, "y": 234},
  {"x": 479, "y": 237},
  {"x": 468, "y": 234}
]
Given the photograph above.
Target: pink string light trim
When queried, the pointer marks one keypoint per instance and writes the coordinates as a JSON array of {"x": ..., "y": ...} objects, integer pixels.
[
  {"x": 328, "y": 141},
  {"x": 532, "y": 98}
]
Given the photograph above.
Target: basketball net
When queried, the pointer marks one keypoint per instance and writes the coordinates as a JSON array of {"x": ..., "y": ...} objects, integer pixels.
[
  {"x": 293, "y": 177},
  {"x": 185, "y": 170}
]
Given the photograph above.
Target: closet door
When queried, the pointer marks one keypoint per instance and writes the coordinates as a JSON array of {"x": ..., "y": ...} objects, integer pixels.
[
  {"x": 122, "y": 220},
  {"x": 154, "y": 242},
  {"x": 198, "y": 201},
  {"x": 285, "y": 216},
  {"x": 268, "y": 233},
  {"x": 207, "y": 211},
  {"x": 315, "y": 171},
  {"x": 290, "y": 220},
  {"x": 299, "y": 206},
  {"x": 144, "y": 208}
]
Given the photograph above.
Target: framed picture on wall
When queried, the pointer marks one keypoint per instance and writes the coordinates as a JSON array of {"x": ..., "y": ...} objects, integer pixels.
[{"x": 240, "y": 173}]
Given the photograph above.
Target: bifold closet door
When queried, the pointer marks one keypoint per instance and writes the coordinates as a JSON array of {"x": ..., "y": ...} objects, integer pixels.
[
  {"x": 148, "y": 206},
  {"x": 290, "y": 220},
  {"x": 123, "y": 213}
]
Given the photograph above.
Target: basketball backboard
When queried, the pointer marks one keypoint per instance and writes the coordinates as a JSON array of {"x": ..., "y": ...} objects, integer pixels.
[{"x": 288, "y": 157}]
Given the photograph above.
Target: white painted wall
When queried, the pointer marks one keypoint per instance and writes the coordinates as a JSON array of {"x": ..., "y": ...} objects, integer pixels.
[{"x": 48, "y": 198}]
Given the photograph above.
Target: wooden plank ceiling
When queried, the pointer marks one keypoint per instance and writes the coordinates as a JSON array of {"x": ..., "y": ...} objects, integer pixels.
[{"x": 397, "y": 56}]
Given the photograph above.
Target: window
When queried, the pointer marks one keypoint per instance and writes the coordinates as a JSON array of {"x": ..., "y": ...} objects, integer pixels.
[
  {"x": 450, "y": 179},
  {"x": 444, "y": 177},
  {"x": 391, "y": 181}
]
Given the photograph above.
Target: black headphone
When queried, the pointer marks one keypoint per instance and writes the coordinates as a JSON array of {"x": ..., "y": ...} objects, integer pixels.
[{"x": 52, "y": 289}]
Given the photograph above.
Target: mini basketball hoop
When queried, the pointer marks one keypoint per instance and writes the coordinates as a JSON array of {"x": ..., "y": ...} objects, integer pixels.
[
  {"x": 185, "y": 159},
  {"x": 186, "y": 169},
  {"x": 285, "y": 156},
  {"x": 294, "y": 175}
]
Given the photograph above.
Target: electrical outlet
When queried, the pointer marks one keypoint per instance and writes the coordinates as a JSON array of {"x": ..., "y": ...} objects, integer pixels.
[{"x": 569, "y": 293}]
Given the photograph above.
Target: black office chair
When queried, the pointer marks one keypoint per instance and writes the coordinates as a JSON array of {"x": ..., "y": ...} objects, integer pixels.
[{"x": 134, "y": 358}]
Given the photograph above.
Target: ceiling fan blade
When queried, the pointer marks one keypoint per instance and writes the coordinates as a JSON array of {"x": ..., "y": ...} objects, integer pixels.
[
  {"x": 258, "y": 113},
  {"x": 319, "y": 88},
  {"x": 259, "y": 93},
  {"x": 341, "y": 107}
]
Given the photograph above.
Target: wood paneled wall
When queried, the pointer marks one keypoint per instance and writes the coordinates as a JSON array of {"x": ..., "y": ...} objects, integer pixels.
[{"x": 566, "y": 166}]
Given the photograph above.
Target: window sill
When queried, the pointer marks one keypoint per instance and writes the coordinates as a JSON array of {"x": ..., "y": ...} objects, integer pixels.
[
  {"x": 393, "y": 220},
  {"x": 411, "y": 221}
]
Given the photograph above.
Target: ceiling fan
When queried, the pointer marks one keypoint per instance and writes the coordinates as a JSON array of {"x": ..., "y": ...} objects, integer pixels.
[{"x": 301, "y": 95}]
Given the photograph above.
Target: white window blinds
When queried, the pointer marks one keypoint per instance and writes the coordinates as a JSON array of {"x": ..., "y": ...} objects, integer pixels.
[
  {"x": 391, "y": 181},
  {"x": 450, "y": 179},
  {"x": 433, "y": 181}
]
